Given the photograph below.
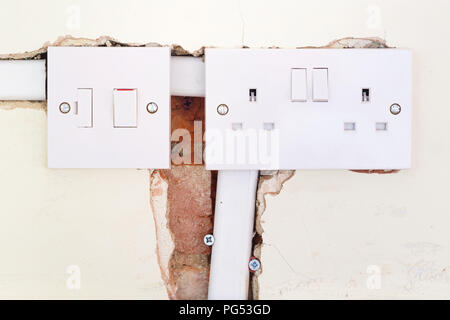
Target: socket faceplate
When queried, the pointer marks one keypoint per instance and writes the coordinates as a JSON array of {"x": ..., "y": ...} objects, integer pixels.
[
  {"x": 348, "y": 92},
  {"x": 101, "y": 85}
]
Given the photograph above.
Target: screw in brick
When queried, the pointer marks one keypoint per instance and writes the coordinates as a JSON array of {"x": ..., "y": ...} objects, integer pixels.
[
  {"x": 254, "y": 264},
  {"x": 187, "y": 103},
  {"x": 208, "y": 240}
]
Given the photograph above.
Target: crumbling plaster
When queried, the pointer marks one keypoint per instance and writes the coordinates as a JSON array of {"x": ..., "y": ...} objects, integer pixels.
[{"x": 176, "y": 195}]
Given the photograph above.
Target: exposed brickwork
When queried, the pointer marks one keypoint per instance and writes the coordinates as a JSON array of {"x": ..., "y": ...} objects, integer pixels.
[
  {"x": 267, "y": 185},
  {"x": 190, "y": 207},
  {"x": 190, "y": 204}
]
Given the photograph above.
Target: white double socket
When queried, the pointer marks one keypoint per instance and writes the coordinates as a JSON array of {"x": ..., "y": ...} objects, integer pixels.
[
  {"x": 97, "y": 107},
  {"x": 308, "y": 109},
  {"x": 265, "y": 108}
]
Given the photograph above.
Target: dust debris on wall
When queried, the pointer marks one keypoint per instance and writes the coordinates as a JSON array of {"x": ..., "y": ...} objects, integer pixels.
[{"x": 10, "y": 105}]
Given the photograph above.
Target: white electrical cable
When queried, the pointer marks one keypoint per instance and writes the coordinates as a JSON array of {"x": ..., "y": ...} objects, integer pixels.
[
  {"x": 22, "y": 80},
  {"x": 187, "y": 77},
  {"x": 233, "y": 233},
  {"x": 26, "y": 79}
]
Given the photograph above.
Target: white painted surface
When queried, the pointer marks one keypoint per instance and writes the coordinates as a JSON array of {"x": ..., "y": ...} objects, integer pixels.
[
  {"x": 299, "y": 85},
  {"x": 22, "y": 80},
  {"x": 108, "y": 142},
  {"x": 341, "y": 222},
  {"x": 320, "y": 89},
  {"x": 125, "y": 108},
  {"x": 309, "y": 134},
  {"x": 55, "y": 220},
  {"x": 187, "y": 76},
  {"x": 82, "y": 107},
  {"x": 233, "y": 233}
]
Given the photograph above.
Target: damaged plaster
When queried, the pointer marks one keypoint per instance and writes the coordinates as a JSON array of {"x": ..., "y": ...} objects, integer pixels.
[
  {"x": 267, "y": 185},
  {"x": 36, "y": 105},
  {"x": 69, "y": 41},
  {"x": 182, "y": 199},
  {"x": 181, "y": 225},
  {"x": 103, "y": 41}
]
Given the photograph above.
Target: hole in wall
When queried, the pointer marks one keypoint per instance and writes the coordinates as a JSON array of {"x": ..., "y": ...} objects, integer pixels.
[
  {"x": 269, "y": 126},
  {"x": 236, "y": 126},
  {"x": 381, "y": 126},
  {"x": 365, "y": 95},
  {"x": 349, "y": 126},
  {"x": 252, "y": 95}
]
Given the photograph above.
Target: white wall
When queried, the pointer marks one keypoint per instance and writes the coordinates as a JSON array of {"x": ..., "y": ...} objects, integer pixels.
[
  {"x": 97, "y": 220},
  {"x": 27, "y": 24},
  {"x": 328, "y": 226}
]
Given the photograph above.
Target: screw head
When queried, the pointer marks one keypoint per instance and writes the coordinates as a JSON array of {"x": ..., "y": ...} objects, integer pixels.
[
  {"x": 208, "y": 240},
  {"x": 254, "y": 264},
  {"x": 222, "y": 109},
  {"x": 187, "y": 103},
  {"x": 395, "y": 109},
  {"x": 64, "y": 107},
  {"x": 152, "y": 107}
]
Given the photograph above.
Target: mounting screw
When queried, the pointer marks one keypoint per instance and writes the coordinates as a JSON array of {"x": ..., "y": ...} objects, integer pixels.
[
  {"x": 208, "y": 240},
  {"x": 254, "y": 264},
  {"x": 187, "y": 103},
  {"x": 222, "y": 109},
  {"x": 152, "y": 107},
  {"x": 395, "y": 109},
  {"x": 64, "y": 107}
]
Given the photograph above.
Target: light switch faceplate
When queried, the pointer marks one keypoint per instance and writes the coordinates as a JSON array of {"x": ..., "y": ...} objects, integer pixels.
[
  {"x": 89, "y": 135},
  {"x": 341, "y": 120}
]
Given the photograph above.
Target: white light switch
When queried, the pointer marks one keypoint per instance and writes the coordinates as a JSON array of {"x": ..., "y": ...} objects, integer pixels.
[
  {"x": 84, "y": 107},
  {"x": 125, "y": 108},
  {"x": 298, "y": 85},
  {"x": 320, "y": 84},
  {"x": 108, "y": 90}
]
